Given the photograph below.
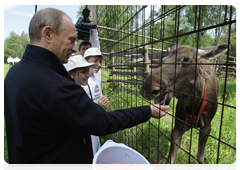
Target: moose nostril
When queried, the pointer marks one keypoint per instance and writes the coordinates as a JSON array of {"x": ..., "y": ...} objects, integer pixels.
[
  {"x": 155, "y": 92},
  {"x": 146, "y": 96}
]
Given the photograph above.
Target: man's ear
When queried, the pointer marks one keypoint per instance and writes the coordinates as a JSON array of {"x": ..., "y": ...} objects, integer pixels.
[
  {"x": 71, "y": 74},
  {"x": 47, "y": 33}
]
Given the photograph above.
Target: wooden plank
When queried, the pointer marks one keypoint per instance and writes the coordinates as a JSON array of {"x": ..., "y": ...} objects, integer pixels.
[
  {"x": 126, "y": 81},
  {"x": 131, "y": 33},
  {"x": 124, "y": 68},
  {"x": 117, "y": 41},
  {"x": 146, "y": 56},
  {"x": 131, "y": 65},
  {"x": 137, "y": 93},
  {"x": 133, "y": 55},
  {"x": 157, "y": 55},
  {"x": 125, "y": 52},
  {"x": 121, "y": 67},
  {"x": 127, "y": 64},
  {"x": 113, "y": 61},
  {"x": 137, "y": 56},
  {"x": 138, "y": 73},
  {"x": 154, "y": 65}
]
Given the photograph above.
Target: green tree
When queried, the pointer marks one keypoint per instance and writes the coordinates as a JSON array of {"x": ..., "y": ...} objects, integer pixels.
[
  {"x": 80, "y": 10},
  {"x": 164, "y": 23},
  {"x": 194, "y": 18},
  {"x": 15, "y": 45}
]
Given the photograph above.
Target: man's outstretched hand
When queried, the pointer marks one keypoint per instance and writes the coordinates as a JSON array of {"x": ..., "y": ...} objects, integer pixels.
[{"x": 158, "y": 110}]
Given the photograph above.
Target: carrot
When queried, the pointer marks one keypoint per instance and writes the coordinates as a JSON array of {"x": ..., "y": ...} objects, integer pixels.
[
  {"x": 117, "y": 166},
  {"x": 141, "y": 167}
]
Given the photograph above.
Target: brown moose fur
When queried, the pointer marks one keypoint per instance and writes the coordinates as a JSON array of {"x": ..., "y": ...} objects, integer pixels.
[{"x": 172, "y": 80}]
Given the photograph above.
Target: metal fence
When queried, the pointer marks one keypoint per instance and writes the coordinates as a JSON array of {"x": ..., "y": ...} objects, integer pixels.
[{"x": 135, "y": 39}]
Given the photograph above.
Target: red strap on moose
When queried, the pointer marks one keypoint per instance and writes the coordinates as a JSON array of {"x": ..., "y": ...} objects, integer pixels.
[{"x": 192, "y": 118}]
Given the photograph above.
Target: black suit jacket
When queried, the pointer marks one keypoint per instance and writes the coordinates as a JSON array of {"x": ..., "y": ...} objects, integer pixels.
[{"x": 49, "y": 118}]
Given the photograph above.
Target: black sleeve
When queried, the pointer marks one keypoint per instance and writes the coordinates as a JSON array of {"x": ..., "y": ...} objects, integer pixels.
[{"x": 71, "y": 106}]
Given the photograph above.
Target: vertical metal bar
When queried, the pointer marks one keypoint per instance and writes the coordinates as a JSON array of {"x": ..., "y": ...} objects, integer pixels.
[
  {"x": 142, "y": 40},
  {"x": 123, "y": 16},
  {"x": 131, "y": 40},
  {"x": 175, "y": 22},
  {"x": 148, "y": 148},
  {"x": 176, "y": 28},
  {"x": 136, "y": 80},
  {"x": 113, "y": 8},
  {"x": 195, "y": 23},
  {"x": 225, "y": 18},
  {"x": 194, "y": 86},
  {"x": 225, "y": 84},
  {"x": 35, "y": 8},
  {"x": 161, "y": 37},
  {"x": 144, "y": 44},
  {"x": 136, "y": 42},
  {"x": 127, "y": 46}
]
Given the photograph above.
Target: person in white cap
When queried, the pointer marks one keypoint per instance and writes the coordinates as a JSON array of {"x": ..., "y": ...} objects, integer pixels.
[
  {"x": 94, "y": 55},
  {"x": 79, "y": 70}
]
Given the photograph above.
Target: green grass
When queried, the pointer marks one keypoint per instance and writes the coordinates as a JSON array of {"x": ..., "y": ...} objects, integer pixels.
[
  {"x": 6, "y": 68},
  {"x": 5, "y": 145},
  {"x": 147, "y": 140},
  {"x": 139, "y": 137}
]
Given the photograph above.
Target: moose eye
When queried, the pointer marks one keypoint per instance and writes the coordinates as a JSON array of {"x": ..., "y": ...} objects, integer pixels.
[
  {"x": 155, "y": 92},
  {"x": 184, "y": 60}
]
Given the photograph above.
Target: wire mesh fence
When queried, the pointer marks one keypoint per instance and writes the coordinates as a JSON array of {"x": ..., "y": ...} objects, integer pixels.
[{"x": 137, "y": 41}]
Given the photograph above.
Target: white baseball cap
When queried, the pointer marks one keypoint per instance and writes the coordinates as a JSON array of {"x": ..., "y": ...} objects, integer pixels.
[
  {"x": 93, "y": 52},
  {"x": 77, "y": 61}
]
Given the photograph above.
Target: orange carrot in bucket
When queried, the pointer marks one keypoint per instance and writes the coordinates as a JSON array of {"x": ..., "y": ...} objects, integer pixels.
[{"x": 117, "y": 166}]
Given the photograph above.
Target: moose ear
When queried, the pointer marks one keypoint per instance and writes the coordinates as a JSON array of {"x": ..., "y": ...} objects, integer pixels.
[
  {"x": 212, "y": 53},
  {"x": 175, "y": 47}
]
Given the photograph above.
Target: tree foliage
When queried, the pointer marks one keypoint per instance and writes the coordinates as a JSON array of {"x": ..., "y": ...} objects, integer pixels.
[
  {"x": 163, "y": 23},
  {"x": 168, "y": 24},
  {"x": 179, "y": 20},
  {"x": 15, "y": 45}
]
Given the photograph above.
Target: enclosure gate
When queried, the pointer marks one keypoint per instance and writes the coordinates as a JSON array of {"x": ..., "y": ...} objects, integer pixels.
[{"x": 135, "y": 39}]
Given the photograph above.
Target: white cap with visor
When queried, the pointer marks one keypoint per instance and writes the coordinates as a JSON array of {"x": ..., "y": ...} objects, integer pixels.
[
  {"x": 77, "y": 61},
  {"x": 93, "y": 52}
]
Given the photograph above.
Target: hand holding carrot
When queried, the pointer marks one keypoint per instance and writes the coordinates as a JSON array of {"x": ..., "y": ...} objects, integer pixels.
[{"x": 158, "y": 110}]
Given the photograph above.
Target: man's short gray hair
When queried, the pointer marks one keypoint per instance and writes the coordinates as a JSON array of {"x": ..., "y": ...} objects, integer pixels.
[{"x": 45, "y": 17}]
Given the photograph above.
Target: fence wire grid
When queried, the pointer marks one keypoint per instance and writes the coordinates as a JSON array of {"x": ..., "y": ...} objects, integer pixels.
[{"x": 135, "y": 40}]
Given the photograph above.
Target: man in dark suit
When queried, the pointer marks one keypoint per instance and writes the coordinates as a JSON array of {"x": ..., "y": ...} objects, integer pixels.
[{"x": 49, "y": 118}]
